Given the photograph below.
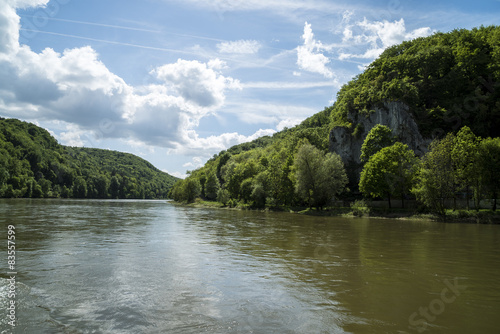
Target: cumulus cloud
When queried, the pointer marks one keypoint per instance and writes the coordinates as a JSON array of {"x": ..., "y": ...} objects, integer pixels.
[
  {"x": 378, "y": 35},
  {"x": 197, "y": 83},
  {"x": 239, "y": 47},
  {"x": 309, "y": 56},
  {"x": 74, "y": 87}
]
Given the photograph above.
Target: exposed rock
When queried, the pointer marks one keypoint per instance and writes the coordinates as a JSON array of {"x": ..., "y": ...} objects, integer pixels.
[{"x": 395, "y": 115}]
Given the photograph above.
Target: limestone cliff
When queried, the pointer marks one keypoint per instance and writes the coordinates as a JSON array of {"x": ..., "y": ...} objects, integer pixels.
[{"x": 395, "y": 115}]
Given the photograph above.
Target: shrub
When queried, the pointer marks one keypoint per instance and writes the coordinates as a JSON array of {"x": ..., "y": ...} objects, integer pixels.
[{"x": 360, "y": 208}]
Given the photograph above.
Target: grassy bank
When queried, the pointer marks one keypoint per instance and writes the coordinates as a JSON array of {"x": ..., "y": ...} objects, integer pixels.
[{"x": 358, "y": 210}]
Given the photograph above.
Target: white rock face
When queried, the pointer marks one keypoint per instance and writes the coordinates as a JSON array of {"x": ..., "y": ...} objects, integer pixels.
[{"x": 395, "y": 115}]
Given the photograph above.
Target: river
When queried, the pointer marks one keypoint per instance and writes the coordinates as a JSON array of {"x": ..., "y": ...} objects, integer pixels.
[{"x": 119, "y": 266}]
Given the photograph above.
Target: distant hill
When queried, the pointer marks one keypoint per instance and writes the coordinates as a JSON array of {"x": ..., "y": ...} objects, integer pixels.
[{"x": 33, "y": 164}]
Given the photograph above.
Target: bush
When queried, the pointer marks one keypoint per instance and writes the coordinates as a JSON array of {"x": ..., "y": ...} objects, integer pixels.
[
  {"x": 360, "y": 208},
  {"x": 223, "y": 196}
]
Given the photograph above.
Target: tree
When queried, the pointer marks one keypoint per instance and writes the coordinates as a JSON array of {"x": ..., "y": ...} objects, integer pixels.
[
  {"x": 380, "y": 136},
  {"x": 389, "y": 172},
  {"x": 465, "y": 155},
  {"x": 489, "y": 167},
  {"x": 436, "y": 177},
  {"x": 234, "y": 174},
  {"x": 223, "y": 196},
  {"x": 80, "y": 188},
  {"x": 114, "y": 187},
  {"x": 212, "y": 186},
  {"x": 246, "y": 188},
  {"x": 281, "y": 187},
  {"x": 319, "y": 177},
  {"x": 192, "y": 189}
]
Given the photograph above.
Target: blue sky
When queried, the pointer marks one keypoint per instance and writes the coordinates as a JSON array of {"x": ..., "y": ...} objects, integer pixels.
[{"x": 176, "y": 81}]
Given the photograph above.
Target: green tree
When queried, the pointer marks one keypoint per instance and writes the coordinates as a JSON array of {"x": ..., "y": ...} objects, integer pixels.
[
  {"x": 259, "y": 193},
  {"x": 389, "y": 172},
  {"x": 436, "y": 182},
  {"x": 114, "y": 186},
  {"x": 80, "y": 188},
  {"x": 101, "y": 185},
  {"x": 319, "y": 177},
  {"x": 246, "y": 188},
  {"x": 281, "y": 187},
  {"x": 192, "y": 189},
  {"x": 489, "y": 167},
  {"x": 380, "y": 136},
  {"x": 465, "y": 160},
  {"x": 212, "y": 186},
  {"x": 223, "y": 196}
]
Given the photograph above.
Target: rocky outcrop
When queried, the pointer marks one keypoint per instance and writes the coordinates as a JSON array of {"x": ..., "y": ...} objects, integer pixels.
[{"x": 347, "y": 142}]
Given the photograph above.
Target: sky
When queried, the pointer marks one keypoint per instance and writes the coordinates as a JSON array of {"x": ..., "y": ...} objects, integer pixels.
[{"x": 177, "y": 81}]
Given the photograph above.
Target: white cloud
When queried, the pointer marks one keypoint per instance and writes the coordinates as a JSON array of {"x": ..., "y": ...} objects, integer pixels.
[
  {"x": 378, "y": 35},
  {"x": 288, "y": 123},
  {"x": 72, "y": 136},
  {"x": 27, "y": 3},
  {"x": 75, "y": 87},
  {"x": 239, "y": 47},
  {"x": 203, "y": 146},
  {"x": 309, "y": 56},
  {"x": 176, "y": 174}
]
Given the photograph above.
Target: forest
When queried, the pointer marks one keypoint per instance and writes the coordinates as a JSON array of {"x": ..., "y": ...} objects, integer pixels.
[
  {"x": 450, "y": 83},
  {"x": 34, "y": 165}
]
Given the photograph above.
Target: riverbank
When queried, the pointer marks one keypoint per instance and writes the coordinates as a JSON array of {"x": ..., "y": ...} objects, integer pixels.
[{"x": 457, "y": 216}]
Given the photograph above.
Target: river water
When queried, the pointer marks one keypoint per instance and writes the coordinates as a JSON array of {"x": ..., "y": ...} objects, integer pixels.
[{"x": 88, "y": 266}]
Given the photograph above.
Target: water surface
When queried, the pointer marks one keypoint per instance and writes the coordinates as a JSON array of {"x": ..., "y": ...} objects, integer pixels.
[{"x": 152, "y": 267}]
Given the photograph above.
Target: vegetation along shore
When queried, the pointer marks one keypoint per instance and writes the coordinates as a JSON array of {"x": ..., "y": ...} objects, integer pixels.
[{"x": 420, "y": 125}]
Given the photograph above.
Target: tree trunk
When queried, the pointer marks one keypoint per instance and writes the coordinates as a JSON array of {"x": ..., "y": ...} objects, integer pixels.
[{"x": 389, "y": 197}]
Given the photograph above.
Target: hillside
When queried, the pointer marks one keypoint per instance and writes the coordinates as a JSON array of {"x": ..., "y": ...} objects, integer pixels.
[
  {"x": 446, "y": 80},
  {"x": 33, "y": 164},
  {"x": 421, "y": 90}
]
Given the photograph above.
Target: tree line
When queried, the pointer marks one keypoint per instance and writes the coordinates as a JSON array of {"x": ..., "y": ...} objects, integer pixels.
[
  {"x": 461, "y": 166},
  {"x": 458, "y": 166}
]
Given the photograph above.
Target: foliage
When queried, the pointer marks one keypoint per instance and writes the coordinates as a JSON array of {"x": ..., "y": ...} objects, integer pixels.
[
  {"x": 389, "y": 172},
  {"x": 489, "y": 167},
  {"x": 360, "y": 208},
  {"x": 319, "y": 177},
  {"x": 464, "y": 155},
  {"x": 223, "y": 196},
  {"x": 212, "y": 186},
  {"x": 448, "y": 80},
  {"x": 33, "y": 164},
  {"x": 380, "y": 136},
  {"x": 456, "y": 164},
  {"x": 436, "y": 178}
]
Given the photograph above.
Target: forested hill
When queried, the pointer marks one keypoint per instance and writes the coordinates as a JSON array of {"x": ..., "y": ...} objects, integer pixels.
[
  {"x": 33, "y": 164},
  {"x": 444, "y": 84},
  {"x": 447, "y": 80}
]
